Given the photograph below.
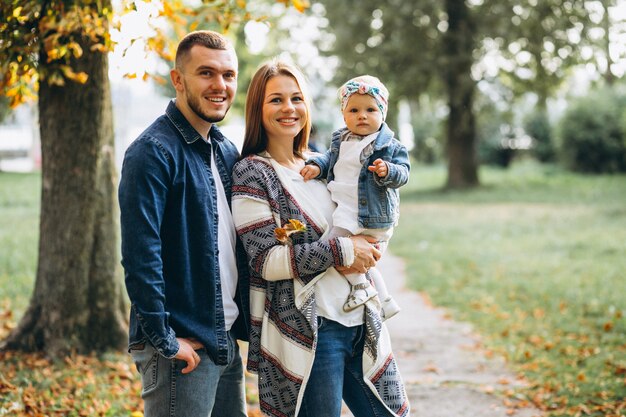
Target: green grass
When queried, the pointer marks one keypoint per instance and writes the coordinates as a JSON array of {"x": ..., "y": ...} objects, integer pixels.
[
  {"x": 535, "y": 260},
  {"x": 19, "y": 232}
]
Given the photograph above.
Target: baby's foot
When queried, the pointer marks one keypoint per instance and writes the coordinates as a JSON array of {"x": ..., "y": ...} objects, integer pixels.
[
  {"x": 359, "y": 294},
  {"x": 389, "y": 308}
]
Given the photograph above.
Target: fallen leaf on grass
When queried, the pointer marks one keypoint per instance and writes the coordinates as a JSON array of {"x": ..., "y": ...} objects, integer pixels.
[
  {"x": 488, "y": 389},
  {"x": 504, "y": 381},
  {"x": 432, "y": 368}
]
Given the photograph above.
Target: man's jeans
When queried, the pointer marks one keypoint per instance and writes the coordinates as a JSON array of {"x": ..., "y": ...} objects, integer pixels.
[
  {"x": 209, "y": 390},
  {"x": 338, "y": 372}
]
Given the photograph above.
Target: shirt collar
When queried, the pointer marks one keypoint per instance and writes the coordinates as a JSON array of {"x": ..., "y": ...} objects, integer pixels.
[{"x": 187, "y": 131}]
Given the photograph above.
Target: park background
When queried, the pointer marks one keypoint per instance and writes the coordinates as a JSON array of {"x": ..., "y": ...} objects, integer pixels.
[{"x": 514, "y": 218}]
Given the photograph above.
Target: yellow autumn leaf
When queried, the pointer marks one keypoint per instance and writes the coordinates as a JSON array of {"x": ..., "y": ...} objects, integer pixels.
[
  {"x": 76, "y": 49},
  {"x": 281, "y": 235},
  {"x": 293, "y": 226},
  {"x": 81, "y": 77},
  {"x": 296, "y": 225},
  {"x": 301, "y": 5},
  {"x": 53, "y": 54}
]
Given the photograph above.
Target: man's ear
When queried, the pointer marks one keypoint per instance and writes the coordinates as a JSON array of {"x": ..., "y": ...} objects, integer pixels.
[{"x": 177, "y": 80}]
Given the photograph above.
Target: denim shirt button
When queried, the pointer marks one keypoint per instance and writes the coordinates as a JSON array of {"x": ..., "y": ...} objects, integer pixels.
[{"x": 363, "y": 202}]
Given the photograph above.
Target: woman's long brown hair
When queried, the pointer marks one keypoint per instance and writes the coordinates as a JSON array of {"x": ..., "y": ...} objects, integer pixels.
[{"x": 255, "y": 137}]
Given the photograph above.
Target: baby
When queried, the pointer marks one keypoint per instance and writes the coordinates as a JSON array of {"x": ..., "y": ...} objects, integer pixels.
[{"x": 364, "y": 167}]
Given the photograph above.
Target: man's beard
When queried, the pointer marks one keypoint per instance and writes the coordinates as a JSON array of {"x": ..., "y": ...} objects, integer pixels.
[{"x": 194, "y": 105}]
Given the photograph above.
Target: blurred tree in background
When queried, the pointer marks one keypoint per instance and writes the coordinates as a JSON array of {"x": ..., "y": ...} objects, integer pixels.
[{"x": 454, "y": 51}]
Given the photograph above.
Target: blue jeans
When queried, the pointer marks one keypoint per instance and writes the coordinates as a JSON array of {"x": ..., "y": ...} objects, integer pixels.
[
  {"x": 209, "y": 390},
  {"x": 338, "y": 373}
]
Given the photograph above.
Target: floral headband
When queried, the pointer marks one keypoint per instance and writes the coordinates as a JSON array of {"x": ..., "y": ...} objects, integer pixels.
[{"x": 360, "y": 87}]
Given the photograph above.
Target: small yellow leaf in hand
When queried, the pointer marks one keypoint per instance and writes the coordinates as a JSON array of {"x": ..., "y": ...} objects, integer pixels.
[
  {"x": 281, "y": 234},
  {"x": 294, "y": 226}
]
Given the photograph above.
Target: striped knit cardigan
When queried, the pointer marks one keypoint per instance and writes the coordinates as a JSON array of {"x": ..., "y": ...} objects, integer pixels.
[{"x": 282, "y": 295}]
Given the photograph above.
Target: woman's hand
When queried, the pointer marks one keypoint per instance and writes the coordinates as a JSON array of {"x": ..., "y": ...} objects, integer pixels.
[{"x": 365, "y": 254}]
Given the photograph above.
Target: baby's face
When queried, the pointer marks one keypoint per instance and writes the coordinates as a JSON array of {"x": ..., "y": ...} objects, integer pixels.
[{"x": 362, "y": 115}]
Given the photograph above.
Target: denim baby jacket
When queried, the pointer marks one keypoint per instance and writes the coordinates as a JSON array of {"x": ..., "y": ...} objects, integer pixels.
[
  {"x": 378, "y": 198},
  {"x": 169, "y": 225}
]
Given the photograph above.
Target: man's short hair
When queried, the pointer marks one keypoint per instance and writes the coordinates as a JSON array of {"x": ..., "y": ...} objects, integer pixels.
[{"x": 206, "y": 38}]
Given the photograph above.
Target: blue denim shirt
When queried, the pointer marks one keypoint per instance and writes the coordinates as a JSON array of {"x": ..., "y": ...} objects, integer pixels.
[
  {"x": 169, "y": 221},
  {"x": 378, "y": 198}
]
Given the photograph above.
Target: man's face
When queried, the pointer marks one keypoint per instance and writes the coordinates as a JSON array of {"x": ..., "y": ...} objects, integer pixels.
[{"x": 208, "y": 82}]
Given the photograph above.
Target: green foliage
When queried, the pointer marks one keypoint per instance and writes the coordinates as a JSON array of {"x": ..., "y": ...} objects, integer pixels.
[
  {"x": 537, "y": 126},
  {"x": 538, "y": 43},
  {"x": 592, "y": 133},
  {"x": 527, "y": 260},
  {"x": 397, "y": 41},
  {"x": 427, "y": 134},
  {"x": 493, "y": 128},
  {"x": 5, "y": 109}
]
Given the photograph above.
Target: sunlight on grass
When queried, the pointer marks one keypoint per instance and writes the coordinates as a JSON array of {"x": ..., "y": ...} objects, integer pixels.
[{"x": 534, "y": 259}]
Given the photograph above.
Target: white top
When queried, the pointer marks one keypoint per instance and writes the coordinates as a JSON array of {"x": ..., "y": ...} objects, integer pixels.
[
  {"x": 226, "y": 241},
  {"x": 344, "y": 187},
  {"x": 332, "y": 289}
]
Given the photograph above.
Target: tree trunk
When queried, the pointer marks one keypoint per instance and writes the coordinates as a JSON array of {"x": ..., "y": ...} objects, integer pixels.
[
  {"x": 78, "y": 303},
  {"x": 609, "y": 77},
  {"x": 461, "y": 145}
]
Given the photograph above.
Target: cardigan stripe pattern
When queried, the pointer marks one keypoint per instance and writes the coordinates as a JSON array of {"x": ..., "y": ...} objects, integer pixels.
[{"x": 282, "y": 295}]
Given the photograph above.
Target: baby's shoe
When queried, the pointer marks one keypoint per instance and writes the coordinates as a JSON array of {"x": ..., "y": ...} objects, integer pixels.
[
  {"x": 359, "y": 294},
  {"x": 389, "y": 308}
]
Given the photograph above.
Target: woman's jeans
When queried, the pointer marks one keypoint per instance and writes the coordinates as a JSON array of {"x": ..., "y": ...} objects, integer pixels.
[
  {"x": 338, "y": 373},
  {"x": 209, "y": 390}
]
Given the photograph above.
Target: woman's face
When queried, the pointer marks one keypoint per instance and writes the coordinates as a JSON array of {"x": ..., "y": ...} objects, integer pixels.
[{"x": 284, "y": 110}]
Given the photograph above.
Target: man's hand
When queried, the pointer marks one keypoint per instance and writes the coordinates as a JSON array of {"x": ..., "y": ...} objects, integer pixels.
[
  {"x": 379, "y": 167},
  {"x": 365, "y": 254},
  {"x": 187, "y": 352},
  {"x": 310, "y": 172}
]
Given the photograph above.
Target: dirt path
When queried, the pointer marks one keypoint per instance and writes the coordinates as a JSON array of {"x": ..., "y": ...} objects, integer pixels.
[{"x": 444, "y": 372}]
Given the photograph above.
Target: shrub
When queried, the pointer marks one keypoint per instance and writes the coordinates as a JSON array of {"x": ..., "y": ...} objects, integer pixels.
[
  {"x": 426, "y": 129},
  {"x": 537, "y": 126},
  {"x": 592, "y": 133}
]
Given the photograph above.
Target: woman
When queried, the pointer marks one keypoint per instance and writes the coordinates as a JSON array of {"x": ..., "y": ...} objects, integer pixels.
[{"x": 308, "y": 352}]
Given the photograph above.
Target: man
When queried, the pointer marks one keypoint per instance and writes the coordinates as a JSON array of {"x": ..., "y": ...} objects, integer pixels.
[{"x": 185, "y": 270}]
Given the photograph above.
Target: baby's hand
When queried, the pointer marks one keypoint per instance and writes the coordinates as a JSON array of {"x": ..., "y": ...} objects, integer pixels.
[
  {"x": 310, "y": 171},
  {"x": 379, "y": 167}
]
